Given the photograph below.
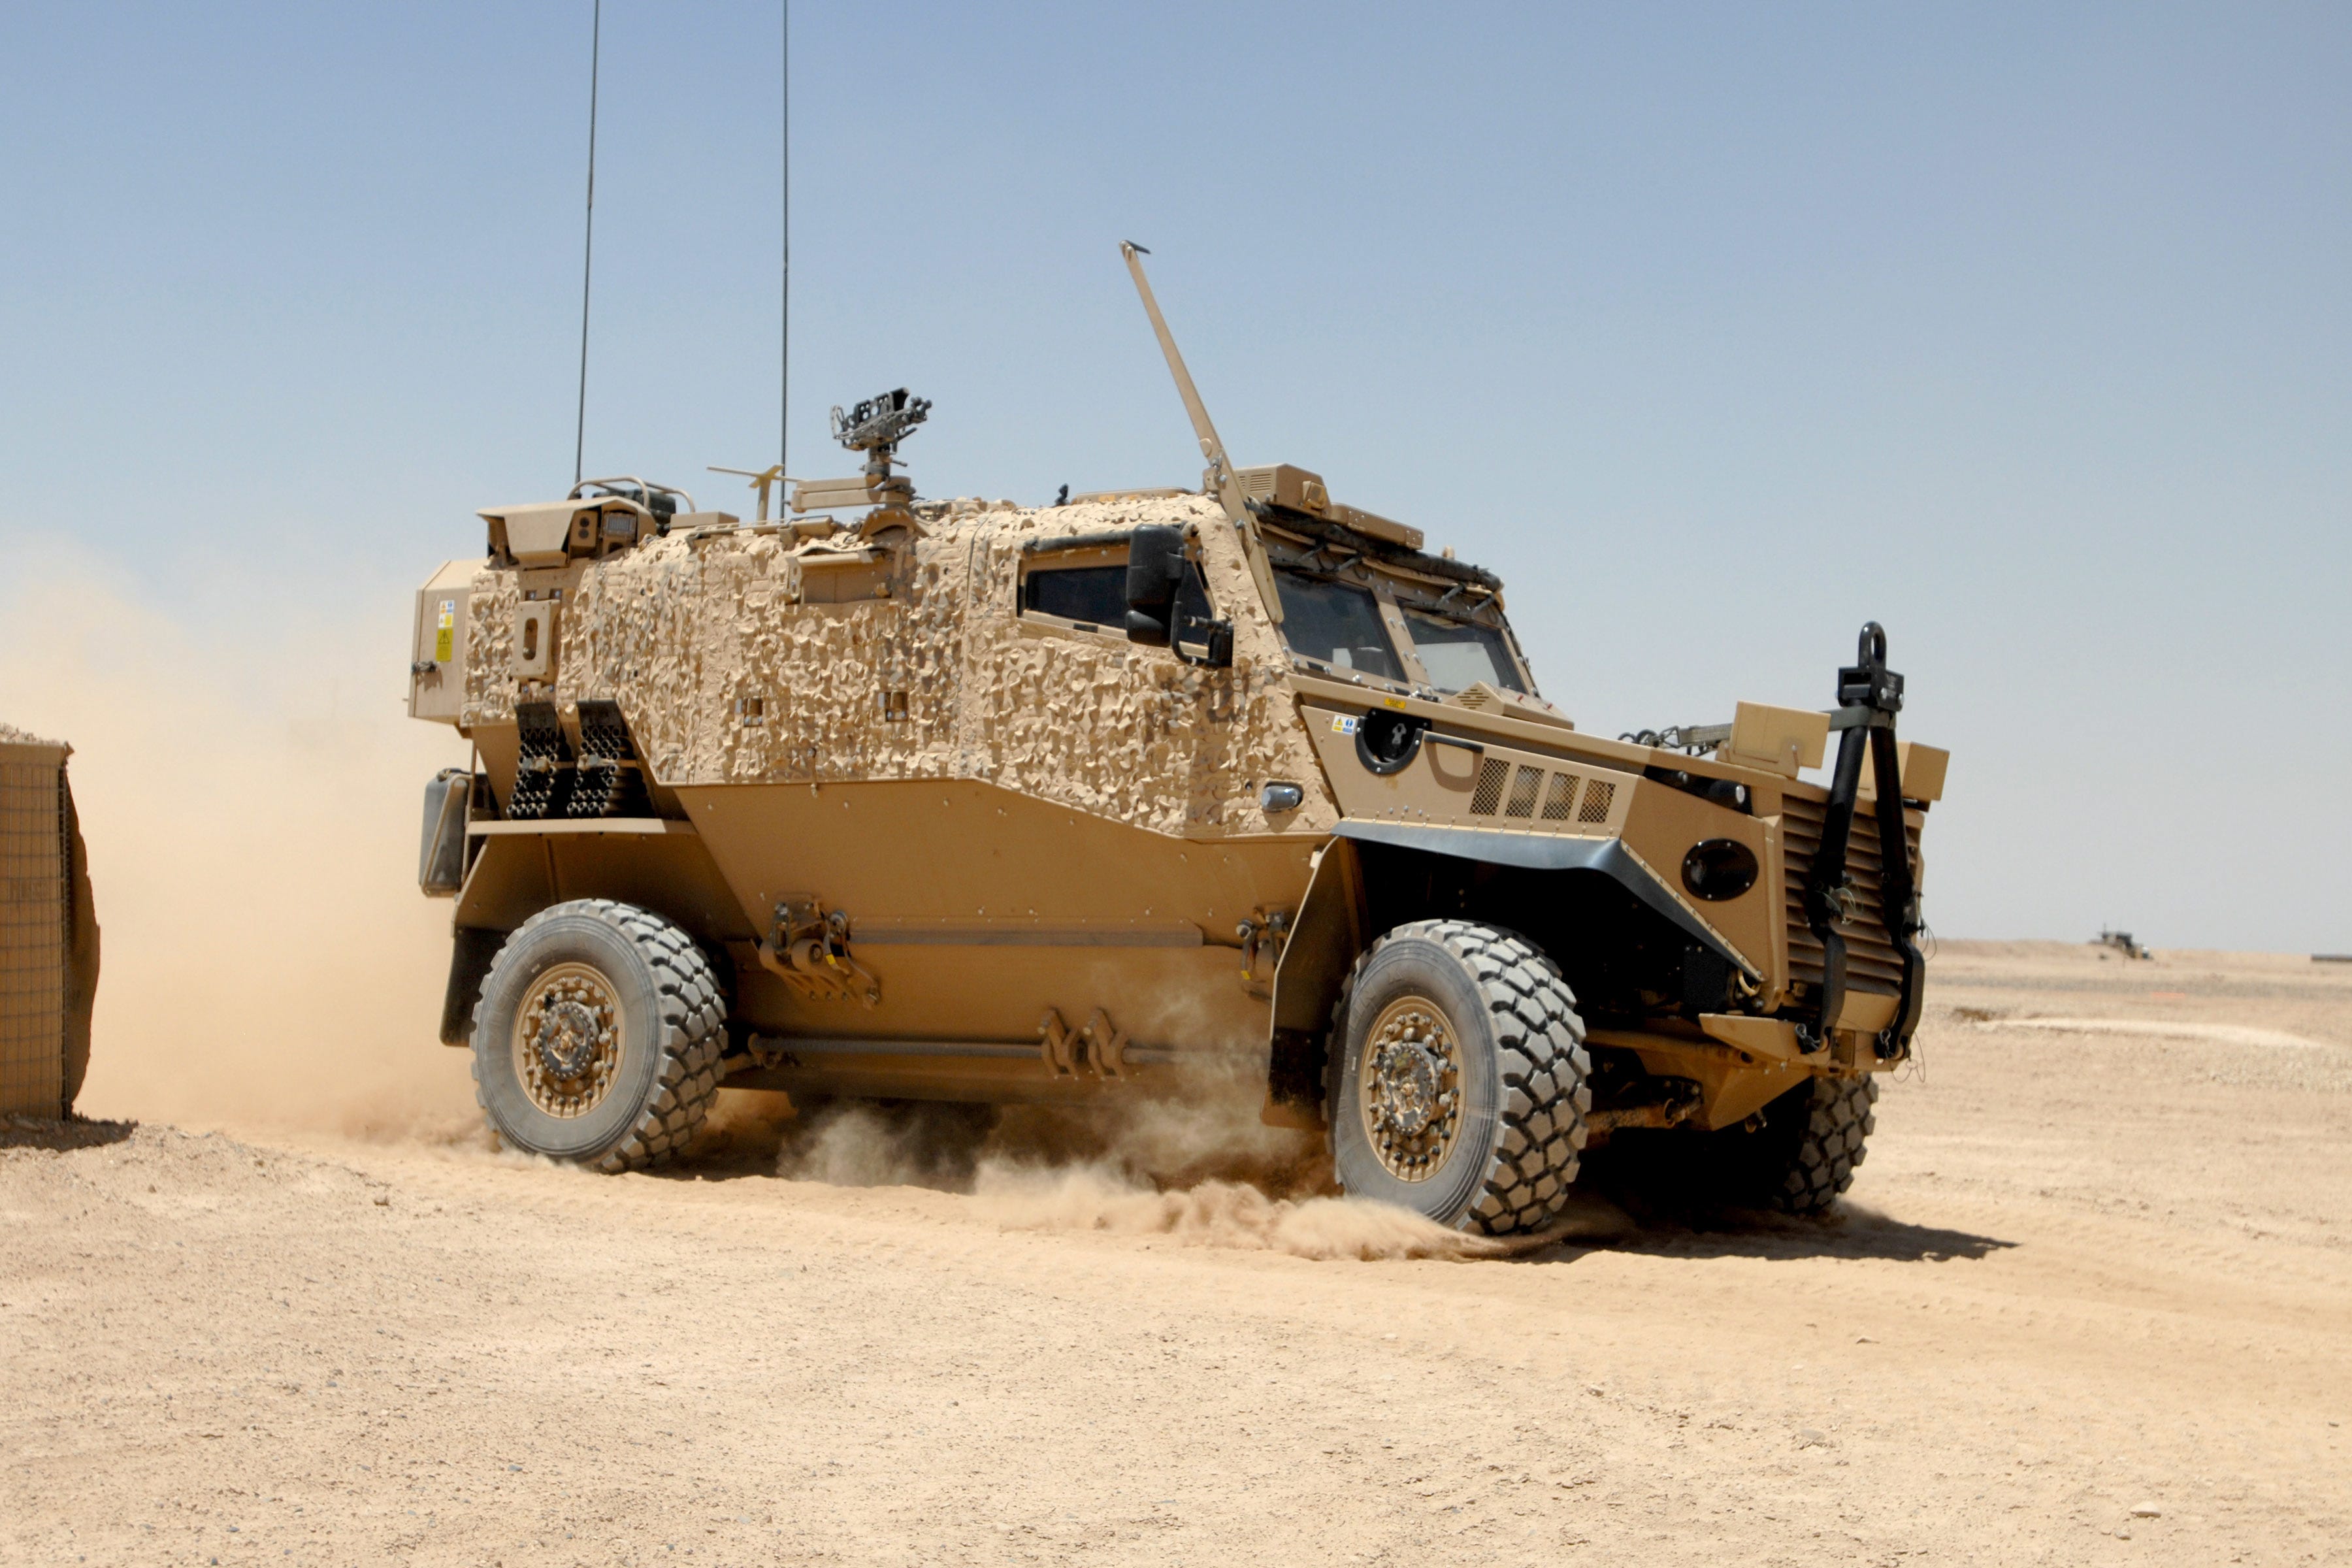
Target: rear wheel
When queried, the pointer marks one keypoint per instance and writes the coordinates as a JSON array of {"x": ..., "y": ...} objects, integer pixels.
[
  {"x": 1458, "y": 1083},
  {"x": 1804, "y": 1156},
  {"x": 597, "y": 1037}
]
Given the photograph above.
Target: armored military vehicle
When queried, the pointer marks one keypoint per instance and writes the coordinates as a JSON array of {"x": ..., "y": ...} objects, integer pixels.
[{"x": 963, "y": 800}]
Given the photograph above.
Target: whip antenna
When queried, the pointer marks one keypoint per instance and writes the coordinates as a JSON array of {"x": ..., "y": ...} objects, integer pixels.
[
  {"x": 784, "y": 372},
  {"x": 588, "y": 247}
]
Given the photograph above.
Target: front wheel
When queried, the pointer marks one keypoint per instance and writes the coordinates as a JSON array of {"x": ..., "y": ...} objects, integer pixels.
[
  {"x": 597, "y": 1037},
  {"x": 1458, "y": 1086}
]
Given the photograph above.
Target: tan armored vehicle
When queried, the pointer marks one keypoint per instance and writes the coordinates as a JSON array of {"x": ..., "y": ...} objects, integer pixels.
[{"x": 962, "y": 801}]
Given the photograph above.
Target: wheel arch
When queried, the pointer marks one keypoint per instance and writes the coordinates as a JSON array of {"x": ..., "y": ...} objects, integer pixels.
[
  {"x": 1560, "y": 892},
  {"x": 1608, "y": 858},
  {"x": 517, "y": 875}
]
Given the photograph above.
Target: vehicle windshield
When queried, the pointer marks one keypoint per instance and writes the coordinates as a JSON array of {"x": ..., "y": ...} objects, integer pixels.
[
  {"x": 1360, "y": 615},
  {"x": 1460, "y": 654},
  {"x": 1338, "y": 624}
]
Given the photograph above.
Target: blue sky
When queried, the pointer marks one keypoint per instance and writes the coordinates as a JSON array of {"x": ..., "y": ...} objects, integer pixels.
[{"x": 1716, "y": 328}]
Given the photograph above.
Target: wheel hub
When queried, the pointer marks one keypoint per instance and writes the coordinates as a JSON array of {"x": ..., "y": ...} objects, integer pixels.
[
  {"x": 567, "y": 1040},
  {"x": 1410, "y": 1088},
  {"x": 568, "y": 1036}
]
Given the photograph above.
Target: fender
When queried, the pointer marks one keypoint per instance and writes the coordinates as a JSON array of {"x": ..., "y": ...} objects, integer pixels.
[
  {"x": 1330, "y": 933},
  {"x": 521, "y": 868},
  {"x": 1545, "y": 852}
]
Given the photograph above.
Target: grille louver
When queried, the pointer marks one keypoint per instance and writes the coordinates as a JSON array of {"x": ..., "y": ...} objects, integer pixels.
[{"x": 1872, "y": 963}]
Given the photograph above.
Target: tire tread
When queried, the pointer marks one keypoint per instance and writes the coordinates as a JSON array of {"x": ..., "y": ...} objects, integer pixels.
[
  {"x": 1541, "y": 1060},
  {"x": 1832, "y": 1143},
  {"x": 690, "y": 1010}
]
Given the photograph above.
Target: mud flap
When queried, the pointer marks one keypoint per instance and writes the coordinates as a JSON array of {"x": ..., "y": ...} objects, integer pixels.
[
  {"x": 1324, "y": 941},
  {"x": 470, "y": 959}
]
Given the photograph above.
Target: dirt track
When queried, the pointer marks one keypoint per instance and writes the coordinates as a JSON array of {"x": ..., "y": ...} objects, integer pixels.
[{"x": 2085, "y": 1272}]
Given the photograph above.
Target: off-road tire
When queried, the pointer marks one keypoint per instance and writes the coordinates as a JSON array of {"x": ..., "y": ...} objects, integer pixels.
[
  {"x": 674, "y": 1032},
  {"x": 1812, "y": 1138},
  {"x": 1523, "y": 1087}
]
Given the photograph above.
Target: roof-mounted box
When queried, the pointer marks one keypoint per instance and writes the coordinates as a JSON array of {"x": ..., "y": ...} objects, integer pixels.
[{"x": 1296, "y": 490}]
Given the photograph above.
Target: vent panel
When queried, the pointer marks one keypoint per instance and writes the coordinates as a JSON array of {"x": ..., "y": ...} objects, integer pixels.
[
  {"x": 1872, "y": 963},
  {"x": 1491, "y": 774},
  {"x": 1523, "y": 792},
  {"x": 1560, "y": 798},
  {"x": 1597, "y": 796}
]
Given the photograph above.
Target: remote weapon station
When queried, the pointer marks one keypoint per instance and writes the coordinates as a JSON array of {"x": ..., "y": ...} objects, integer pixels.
[{"x": 963, "y": 800}]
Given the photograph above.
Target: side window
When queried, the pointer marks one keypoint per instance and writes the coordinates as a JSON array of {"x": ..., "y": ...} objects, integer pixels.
[
  {"x": 1086, "y": 587},
  {"x": 1092, "y": 594}
]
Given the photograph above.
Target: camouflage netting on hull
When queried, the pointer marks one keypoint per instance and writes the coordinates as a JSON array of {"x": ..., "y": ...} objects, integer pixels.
[{"x": 739, "y": 656}]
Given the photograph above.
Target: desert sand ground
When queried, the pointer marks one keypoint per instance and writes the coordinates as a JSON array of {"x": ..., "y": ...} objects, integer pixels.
[{"x": 2090, "y": 1302}]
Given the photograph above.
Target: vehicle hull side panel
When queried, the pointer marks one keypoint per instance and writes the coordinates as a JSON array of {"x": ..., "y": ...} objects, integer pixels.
[{"x": 978, "y": 907}]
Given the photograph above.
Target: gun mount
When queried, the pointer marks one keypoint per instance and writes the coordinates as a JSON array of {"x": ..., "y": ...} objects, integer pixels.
[
  {"x": 877, "y": 426},
  {"x": 874, "y": 427}
]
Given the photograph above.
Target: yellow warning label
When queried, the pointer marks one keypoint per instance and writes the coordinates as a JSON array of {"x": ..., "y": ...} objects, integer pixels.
[{"x": 444, "y": 635}]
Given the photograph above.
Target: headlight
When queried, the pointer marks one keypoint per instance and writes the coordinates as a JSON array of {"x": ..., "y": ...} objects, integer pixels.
[{"x": 1719, "y": 868}]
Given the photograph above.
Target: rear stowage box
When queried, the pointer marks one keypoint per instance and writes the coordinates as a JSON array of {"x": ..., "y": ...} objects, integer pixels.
[
  {"x": 48, "y": 930},
  {"x": 436, "y": 669}
]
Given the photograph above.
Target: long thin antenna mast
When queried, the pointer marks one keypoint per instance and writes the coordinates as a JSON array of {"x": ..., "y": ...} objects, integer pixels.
[
  {"x": 588, "y": 247},
  {"x": 784, "y": 374},
  {"x": 1221, "y": 478}
]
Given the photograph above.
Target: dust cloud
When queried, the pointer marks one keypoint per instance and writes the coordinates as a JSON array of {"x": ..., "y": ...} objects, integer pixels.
[
  {"x": 1196, "y": 1166},
  {"x": 1213, "y": 1213},
  {"x": 250, "y": 795}
]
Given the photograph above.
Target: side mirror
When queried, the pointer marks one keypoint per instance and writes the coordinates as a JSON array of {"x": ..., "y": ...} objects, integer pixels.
[
  {"x": 1155, "y": 617},
  {"x": 1155, "y": 572}
]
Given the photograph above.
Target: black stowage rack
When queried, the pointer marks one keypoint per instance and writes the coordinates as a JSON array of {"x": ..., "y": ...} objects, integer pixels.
[
  {"x": 609, "y": 780},
  {"x": 543, "y": 772},
  {"x": 1869, "y": 696}
]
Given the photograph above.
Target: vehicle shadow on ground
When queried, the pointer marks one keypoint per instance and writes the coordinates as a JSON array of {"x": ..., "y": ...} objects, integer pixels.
[
  {"x": 1665, "y": 1220},
  {"x": 20, "y": 1131},
  {"x": 1844, "y": 1231},
  {"x": 1669, "y": 1199}
]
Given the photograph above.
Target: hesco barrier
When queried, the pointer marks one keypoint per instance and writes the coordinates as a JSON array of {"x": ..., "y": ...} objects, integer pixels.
[{"x": 48, "y": 930}]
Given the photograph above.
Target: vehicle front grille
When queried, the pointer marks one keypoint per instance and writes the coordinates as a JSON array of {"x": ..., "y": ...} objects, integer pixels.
[{"x": 1871, "y": 962}]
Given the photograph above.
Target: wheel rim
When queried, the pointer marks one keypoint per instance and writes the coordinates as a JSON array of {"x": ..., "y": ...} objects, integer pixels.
[
  {"x": 1409, "y": 1091},
  {"x": 568, "y": 1037}
]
